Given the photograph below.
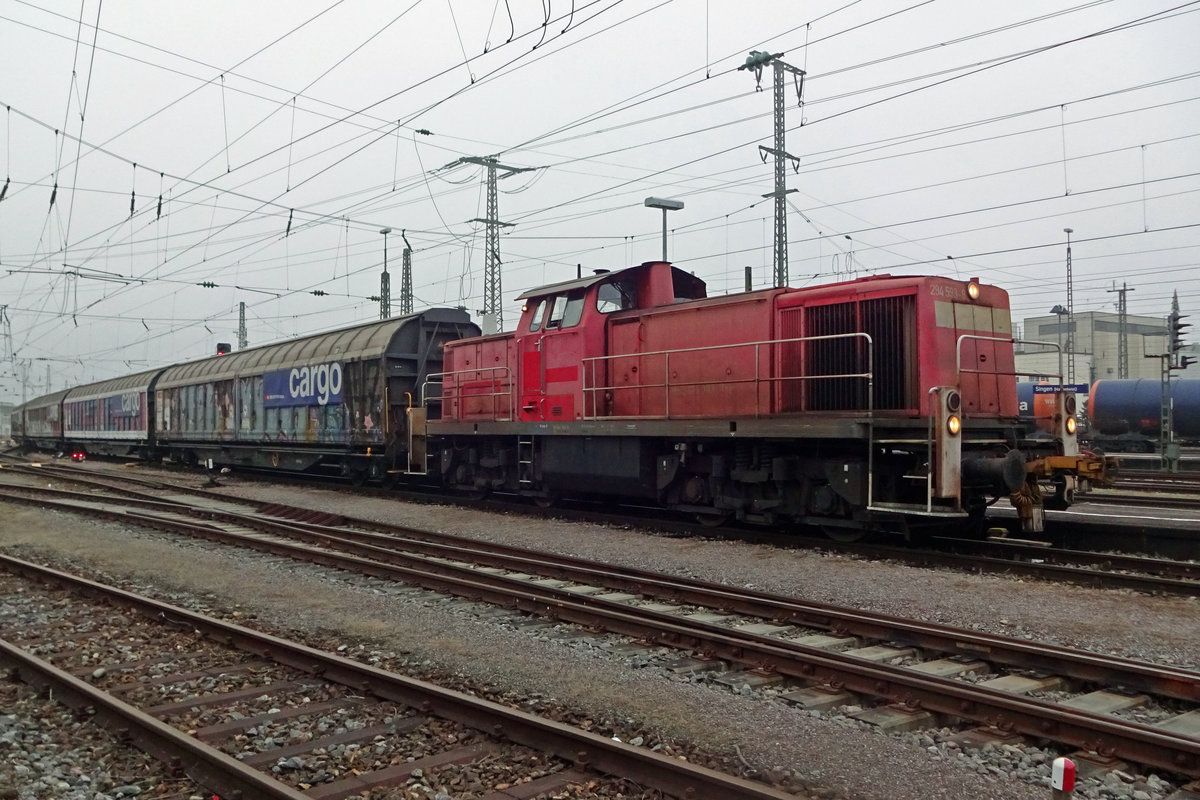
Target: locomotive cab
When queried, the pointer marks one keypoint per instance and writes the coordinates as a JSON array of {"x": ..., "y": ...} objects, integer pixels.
[{"x": 562, "y": 336}]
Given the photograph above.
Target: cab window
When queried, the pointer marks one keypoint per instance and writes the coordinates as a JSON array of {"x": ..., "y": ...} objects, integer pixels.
[
  {"x": 616, "y": 296},
  {"x": 574, "y": 308},
  {"x": 535, "y": 322},
  {"x": 567, "y": 310}
]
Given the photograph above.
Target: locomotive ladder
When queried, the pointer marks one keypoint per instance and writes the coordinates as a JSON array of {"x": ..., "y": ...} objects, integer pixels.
[{"x": 525, "y": 460}]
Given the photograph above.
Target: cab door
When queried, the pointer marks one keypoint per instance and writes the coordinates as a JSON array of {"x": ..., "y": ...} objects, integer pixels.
[
  {"x": 529, "y": 348},
  {"x": 551, "y": 355}
]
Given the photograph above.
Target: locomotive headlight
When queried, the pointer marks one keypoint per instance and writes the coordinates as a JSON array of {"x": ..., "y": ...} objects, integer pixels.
[
  {"x": 1071, "y": 425},
  {"x": 953, "y": 424},
  {"x": 973, "y": 290}
]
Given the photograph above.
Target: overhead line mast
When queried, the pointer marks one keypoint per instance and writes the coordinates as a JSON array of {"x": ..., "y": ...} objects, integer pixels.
[
  {"x": 756, "y": 61},
  {"x": 1122, "y": 331},
  {"x": 406, "y": 290},
  {"x": 492, "y": 310}
]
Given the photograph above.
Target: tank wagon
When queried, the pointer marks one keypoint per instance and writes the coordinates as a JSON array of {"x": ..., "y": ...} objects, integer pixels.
[
  {"x": 1127, "y": 414},
  {"x": 884, "y": 402}
]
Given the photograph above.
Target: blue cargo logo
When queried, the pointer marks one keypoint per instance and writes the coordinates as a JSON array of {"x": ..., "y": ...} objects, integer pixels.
[
  {"x": 312, "y": 385},
  {"x": 130, "y": 405}
]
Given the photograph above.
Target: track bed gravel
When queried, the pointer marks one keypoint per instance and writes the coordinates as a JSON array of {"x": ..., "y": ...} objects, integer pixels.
[{"x": 461, "y": 644}]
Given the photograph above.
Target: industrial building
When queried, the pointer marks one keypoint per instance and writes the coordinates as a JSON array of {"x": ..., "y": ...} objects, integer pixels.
[{"x": 1097, "y": 345}]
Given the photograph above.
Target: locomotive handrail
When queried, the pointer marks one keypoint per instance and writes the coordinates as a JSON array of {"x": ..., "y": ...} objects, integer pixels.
[
  {"x": 1052, "y": 346},
  {"x": 507, "y": 383},
  {"x": 590, "y": 393},
  {"x": 929, "y": 440},
  {"x": 1009, "y": 340},
  {"x": 591, "y": 405}
]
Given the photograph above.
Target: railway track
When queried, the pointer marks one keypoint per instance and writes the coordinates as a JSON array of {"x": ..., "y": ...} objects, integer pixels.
[
  {"x": 1033, "y": 559},
  {"x": 1156, "y": 489},
  {"x": 997, "y": 555},
  {"x": 246, "y": 714},
  {"x": 908, "y": 673}
]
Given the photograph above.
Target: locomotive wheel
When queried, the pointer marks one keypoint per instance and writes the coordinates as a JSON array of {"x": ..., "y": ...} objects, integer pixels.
[
  {"x": 714, "y": 520},
  {"x": 548, "y": 501},
  {"x": 844, "y": 535}
]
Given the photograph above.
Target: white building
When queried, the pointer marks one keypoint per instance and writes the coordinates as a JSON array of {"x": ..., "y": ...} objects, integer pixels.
[{"x": 1096, "y": 347}]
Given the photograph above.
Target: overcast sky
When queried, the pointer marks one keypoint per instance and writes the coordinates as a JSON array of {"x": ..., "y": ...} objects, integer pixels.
[{"x": 274, "y": 140}]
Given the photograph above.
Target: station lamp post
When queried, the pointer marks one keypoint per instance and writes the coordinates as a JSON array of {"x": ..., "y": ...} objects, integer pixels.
[
  {"x": 385, "y": 282},
  {"x": 1059, "y": 310},
  {"x": 666, "y": 205}
]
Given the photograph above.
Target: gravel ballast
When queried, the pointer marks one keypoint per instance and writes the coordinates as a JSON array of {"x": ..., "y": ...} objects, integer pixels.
[{"x": 821, "y": 756}]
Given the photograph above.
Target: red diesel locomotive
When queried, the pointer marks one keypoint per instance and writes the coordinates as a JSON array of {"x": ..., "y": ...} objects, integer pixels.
[{"x": 883, "y": 403}]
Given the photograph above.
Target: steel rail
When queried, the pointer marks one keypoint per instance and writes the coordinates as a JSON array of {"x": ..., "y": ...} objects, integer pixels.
[
  {"x": 1181, "y": 570},
  {"x": 205, "y": 765},
  {"x": 586, "y": 750},
  {"x": 1169, "y": 681},
  {"x": 1106, "y": 735},
  {"x": 1172, "y": 682}
]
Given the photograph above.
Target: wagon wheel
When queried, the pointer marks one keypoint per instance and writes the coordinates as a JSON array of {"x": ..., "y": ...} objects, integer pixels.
[
  {"x": 844, "y": 535},
  {"x": 546, "y": 501},
  {"x": 714, "y": 519}
]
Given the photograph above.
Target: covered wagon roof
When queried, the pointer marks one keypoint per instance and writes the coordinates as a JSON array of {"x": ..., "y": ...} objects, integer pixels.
[
  {"x": 139, "y": 382},
  {"x": 360, "y": 342},
  {"x": 52, "y": 399}
]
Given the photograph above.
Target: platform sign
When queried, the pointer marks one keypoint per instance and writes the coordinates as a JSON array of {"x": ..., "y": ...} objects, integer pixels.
[{"x": 1052, "y": 388}]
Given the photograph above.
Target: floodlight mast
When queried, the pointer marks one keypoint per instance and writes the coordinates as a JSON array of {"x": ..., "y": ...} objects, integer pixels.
[{"x": 666, "y": 205}]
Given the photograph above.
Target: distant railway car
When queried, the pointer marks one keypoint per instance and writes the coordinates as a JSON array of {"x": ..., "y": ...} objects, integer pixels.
[
  {"x": 885, "y": 402},
  {"x": 1135, "y": 406},
  {"x": 37, "y": 424},
  {"x": 333, "y": 402},
  {"x": 16, "y": 423},
  {"x": 113, "y": 417}
]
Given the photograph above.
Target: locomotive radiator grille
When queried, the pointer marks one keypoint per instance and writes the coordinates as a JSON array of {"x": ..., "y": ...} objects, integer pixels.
[{"x": 888, "y": 321}]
